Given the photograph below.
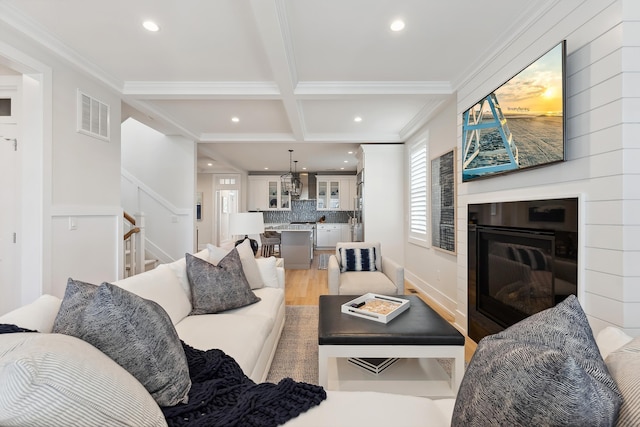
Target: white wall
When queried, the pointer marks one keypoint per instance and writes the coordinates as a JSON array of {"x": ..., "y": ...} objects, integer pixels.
[
  {"x": 76, "y": 176},
  {"x": 383, "y": 198},
  {"x": 158, "y": 179},
  {"x": 427, "y": 268},
  {"x": 602, "y": 160}
]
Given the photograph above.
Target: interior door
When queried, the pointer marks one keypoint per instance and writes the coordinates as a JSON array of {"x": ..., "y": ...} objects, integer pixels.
[
  {"x": 9, "y": 214},
  {"x": 227, "y": 203}
]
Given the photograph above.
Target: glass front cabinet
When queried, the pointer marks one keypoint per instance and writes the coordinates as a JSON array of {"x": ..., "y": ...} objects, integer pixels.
[
  {"x": 335, "y": 193},
  {"x": 265, "y": 193},
  {"x": 328, "y": 197}
]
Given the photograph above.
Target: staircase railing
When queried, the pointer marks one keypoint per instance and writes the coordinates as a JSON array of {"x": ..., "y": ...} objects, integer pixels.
[{"x": 134, "y": 241}]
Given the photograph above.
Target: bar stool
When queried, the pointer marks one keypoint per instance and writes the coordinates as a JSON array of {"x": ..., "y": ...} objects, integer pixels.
[{"x": 269, "y": 240}]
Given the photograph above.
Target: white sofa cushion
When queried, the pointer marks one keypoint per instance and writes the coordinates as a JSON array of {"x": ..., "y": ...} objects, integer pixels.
[
  {"x": 247, "y": 257},
  {"x": 38, "y": 315},
  {"x": 610, "y": 339},
  {"x": 372, "y": 409},
  {"x": 179, "y": 268},
  {"x": 162, "y": 286},
  {"x": 241, "y": 337},
  {"x": 54, "y": 380},
  {"x": 268, "y": 271},
  {"x": 361, "y": 282},
  {"x": 270, "y": 301}
]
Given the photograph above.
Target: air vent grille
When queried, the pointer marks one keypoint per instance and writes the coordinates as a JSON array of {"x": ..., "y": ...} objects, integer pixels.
[{"x": 93, "y": 117}]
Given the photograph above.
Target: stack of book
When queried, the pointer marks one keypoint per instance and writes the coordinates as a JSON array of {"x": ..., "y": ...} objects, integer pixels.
[{"x": 374, "y": 365}]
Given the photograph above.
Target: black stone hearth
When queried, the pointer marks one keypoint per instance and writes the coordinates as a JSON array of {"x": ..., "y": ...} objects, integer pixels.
[{"x": 522, "y": 259}]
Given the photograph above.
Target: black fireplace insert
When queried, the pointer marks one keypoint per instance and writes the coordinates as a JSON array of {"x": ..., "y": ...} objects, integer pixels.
[{"x": 522, "y": 260}]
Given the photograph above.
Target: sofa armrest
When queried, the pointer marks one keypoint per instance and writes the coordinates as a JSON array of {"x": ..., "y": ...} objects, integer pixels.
[
  {"x": 333, "y": 275},
  {"x": 38, "y": 315},
  {"x": 395, "y": 273}
]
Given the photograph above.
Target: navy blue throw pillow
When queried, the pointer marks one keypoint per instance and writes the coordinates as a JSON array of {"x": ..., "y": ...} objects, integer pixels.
[{"x": 358, "y": 259}]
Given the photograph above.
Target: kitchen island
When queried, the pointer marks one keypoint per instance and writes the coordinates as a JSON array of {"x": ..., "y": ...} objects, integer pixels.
[{"x": 296, "y": 244}]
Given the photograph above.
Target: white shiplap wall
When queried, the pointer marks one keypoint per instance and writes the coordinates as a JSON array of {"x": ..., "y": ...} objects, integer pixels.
[{"x": 603, "y": 155}]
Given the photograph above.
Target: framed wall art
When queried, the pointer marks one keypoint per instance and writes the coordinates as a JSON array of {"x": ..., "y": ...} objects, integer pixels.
[{"x": 443, "y": 202}]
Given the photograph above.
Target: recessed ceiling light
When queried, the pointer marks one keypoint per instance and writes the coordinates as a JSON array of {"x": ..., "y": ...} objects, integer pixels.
[
  {"x": 266, "y": 169},
  {"x": 341, "y": 169},
  {"x": 397, "y": 25},
  {"x": 304, "y": 169},
  {"x": 349, "y": 152},
  {"x": 346, "y": 161},
  {"x": 357, "y": 119},
  {"x": 235, "y": 119},
  {"x": 209, "y": 164},
  {"x": 150, "y": 26}
]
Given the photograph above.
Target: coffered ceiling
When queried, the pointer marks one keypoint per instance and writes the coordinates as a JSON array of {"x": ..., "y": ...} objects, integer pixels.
[{"x": 295, "y": 73}]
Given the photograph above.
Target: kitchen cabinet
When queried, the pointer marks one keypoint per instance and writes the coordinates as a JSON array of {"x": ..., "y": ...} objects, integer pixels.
[
  {"x": 265, "y": 193},
  {"x": 328, "y": 235},
  {"x": 335, "y": 193}
]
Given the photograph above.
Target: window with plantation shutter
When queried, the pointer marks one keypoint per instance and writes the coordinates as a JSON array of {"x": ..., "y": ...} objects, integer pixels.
[{"x": 418, "y": 193}]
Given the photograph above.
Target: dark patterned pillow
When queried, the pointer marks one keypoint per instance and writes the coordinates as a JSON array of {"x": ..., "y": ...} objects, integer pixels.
[
  {"x": 136, "y": 333},
  {"x": 216, "y": 288},
  {"x": 545, "y": 370},
  {"x": 624, "y": 366},
  {"x": 358, "y": 259}
]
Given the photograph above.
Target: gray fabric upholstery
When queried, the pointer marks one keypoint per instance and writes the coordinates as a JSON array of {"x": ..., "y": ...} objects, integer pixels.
[
  {"x": 544, "y": 371},
  {"x": 624, "y": 366},
  {"x": 216, "y": 288},
  {"x": 134, "y": 332},
  {"x": 387, "y": 280}
]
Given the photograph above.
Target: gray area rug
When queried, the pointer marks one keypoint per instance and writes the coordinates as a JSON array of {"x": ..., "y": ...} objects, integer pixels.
[
  {"x": 297, "y": 353},
  {"x": 323, "y": 261}
]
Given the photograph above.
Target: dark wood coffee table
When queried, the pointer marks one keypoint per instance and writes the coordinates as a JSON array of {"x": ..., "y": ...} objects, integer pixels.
[{"x": 418, "y": 337}]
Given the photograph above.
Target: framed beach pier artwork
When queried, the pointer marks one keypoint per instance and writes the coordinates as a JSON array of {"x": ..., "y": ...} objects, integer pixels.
[{"x": 519, "y": 125}]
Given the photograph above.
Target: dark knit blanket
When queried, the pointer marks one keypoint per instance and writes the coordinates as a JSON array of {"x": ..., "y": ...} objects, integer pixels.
[{"x": 222, "y": 395}]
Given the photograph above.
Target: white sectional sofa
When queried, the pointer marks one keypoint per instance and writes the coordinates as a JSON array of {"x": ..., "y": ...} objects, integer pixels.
[{"x": 250, "y": 335}]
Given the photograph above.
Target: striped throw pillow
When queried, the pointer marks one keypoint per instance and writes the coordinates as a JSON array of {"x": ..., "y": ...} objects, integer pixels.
[
  {"x": 624, "y": 367},
  {"x": 57, "y": 380},
  {"x": 358, "y": 259}
]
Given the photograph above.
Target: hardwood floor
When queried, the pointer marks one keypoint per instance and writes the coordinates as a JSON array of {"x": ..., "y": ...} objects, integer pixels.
[{"x": 304, "y": 287}]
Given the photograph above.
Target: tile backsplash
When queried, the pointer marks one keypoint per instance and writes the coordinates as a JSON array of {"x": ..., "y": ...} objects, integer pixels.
[{"x": 305, "y": 210}]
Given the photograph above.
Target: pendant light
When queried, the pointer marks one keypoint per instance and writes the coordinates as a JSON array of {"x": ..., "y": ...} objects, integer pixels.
[{"x": 290, "y": 181}]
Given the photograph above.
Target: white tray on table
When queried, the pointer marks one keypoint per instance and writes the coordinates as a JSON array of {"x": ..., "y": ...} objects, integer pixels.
[{"x": 398, "y": 306}]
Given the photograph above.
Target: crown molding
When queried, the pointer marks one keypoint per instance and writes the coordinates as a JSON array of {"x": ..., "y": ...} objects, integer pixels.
[
  {"x": 14, "y": 18},
  {"x": 360, "y": 137},
  {"x": 246, "y": 137},
  {"x": 313, "y": 88},
  {"x": 200, "y": 90},
  {"x": 421, "y": 118}
]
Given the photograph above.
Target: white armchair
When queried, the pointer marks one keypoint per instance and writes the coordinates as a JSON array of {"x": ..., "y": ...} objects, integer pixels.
[{"x": 387, "y": 279}]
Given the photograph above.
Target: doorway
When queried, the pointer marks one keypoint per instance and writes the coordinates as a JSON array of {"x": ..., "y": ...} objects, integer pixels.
[
  {"x": 9, "y": 201},
  {"x": 227, "y": 203}
]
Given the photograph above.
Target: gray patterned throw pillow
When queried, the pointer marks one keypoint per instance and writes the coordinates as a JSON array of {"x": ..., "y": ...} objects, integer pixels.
[
  {"x": 136, "y": 333},
  {"x": 544, "y": 371},
  {"x": 216, "y": 288}
]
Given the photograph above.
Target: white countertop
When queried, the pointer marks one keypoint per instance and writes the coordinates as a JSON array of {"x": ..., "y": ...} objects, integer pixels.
[{"x": 290, "y": 227}]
